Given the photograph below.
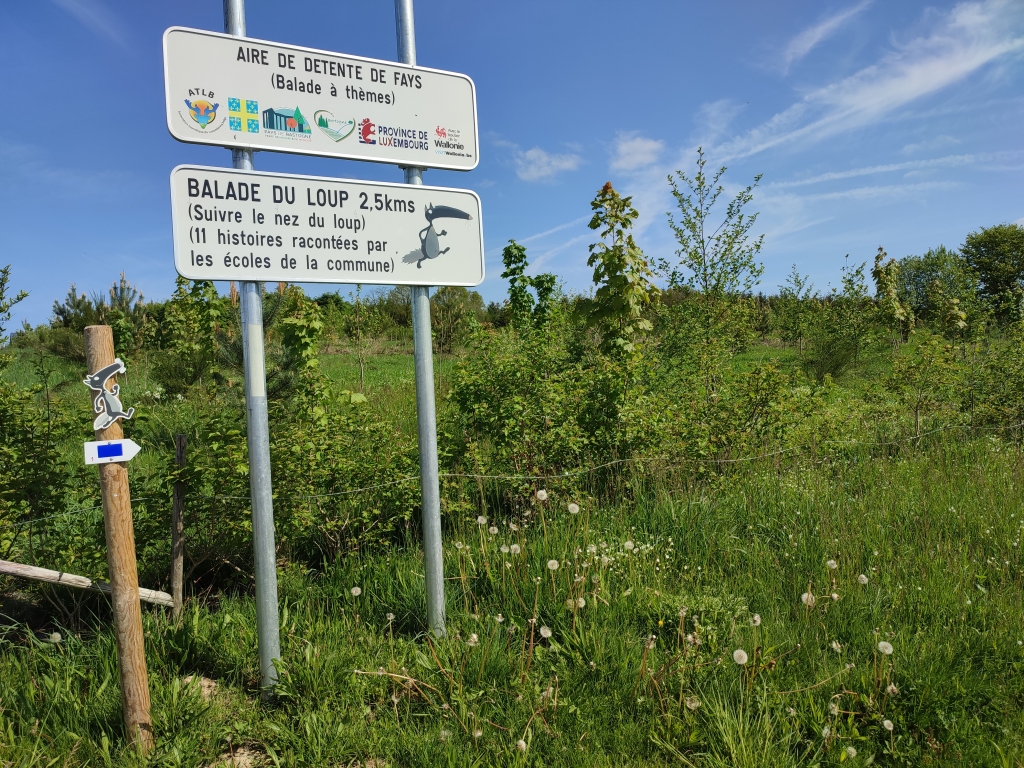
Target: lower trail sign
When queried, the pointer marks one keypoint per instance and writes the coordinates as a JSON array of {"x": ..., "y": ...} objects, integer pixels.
[{"x": 249, "y": 225}]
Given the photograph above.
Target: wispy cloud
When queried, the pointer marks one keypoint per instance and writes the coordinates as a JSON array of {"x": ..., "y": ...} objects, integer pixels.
[
  {"x": 538, "y": 165},
  {"x": 542, "y": 235},
  {"x": 807, "y": 40},
  {"x": 95, "y": 16},
  {"x": 970, "y": 36},
  {"x": 633, "y": 151},
  {"x": 938, "y": 142}
]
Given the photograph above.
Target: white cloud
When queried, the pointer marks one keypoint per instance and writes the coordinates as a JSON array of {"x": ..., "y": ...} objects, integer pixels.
[
  {"x": 633, "y": 151},
  {"x": 806, "y": 41},
  {"x": 939, "y": 142},
  {"x": 970, "y": 36},
  {"x": 537, "y": 165},
  {"x": 713, "y": 118},
  {"x": 95, "y": 16}
]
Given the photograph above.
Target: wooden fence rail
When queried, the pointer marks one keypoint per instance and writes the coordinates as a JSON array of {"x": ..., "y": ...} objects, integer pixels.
[{"x": 8, "y": 568}]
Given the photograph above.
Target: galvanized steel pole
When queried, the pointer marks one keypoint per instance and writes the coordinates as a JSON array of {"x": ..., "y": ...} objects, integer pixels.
[
  {"x": 268, "y": 631},
  {"x": 426, "y": 417}
]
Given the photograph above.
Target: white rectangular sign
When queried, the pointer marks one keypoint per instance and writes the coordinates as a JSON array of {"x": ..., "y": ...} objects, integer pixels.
[
  {"x": 251, "y": 225},
  {"x": 242, "y": 92},
  {"x": 109, "y": 451}
]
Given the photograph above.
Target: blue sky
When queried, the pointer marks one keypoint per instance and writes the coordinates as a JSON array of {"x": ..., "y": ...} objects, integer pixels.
[{"x": 873, "y": 123}]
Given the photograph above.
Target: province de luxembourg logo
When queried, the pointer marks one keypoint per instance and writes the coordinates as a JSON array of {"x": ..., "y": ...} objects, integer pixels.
[{"x": 243, "y": 115}]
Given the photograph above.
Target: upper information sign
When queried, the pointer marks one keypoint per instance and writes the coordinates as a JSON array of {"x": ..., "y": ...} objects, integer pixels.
[
  {"x": 252, "y": 94},
  {"x": 251, "y": 225}
]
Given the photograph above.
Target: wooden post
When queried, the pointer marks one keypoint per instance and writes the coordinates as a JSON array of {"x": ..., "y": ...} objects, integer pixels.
[
  {"x": 124, "y": 574},
  {"x": 178, "y": 530}
]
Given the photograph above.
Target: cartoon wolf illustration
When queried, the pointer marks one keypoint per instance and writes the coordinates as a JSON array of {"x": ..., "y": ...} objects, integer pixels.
[{"x": 106, "y": 402}]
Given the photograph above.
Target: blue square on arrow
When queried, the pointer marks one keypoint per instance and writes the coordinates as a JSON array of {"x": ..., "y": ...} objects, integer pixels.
[{"x": 109, "y": 451}]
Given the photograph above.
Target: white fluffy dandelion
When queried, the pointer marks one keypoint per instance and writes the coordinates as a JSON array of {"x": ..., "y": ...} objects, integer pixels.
[
  {"x": 542, "y": 495},
  {"x": 390, "y": 617},
  {"x": 356, "y": 591},
  {"x": 521, "y": 745},
  {"x": 473, "y": 640},
  {"x": 885, "y": 648},
  {"x": 740, "y": 656},
  {"x": 755, "y": 620},
  {"x": 808, "y": 599},
  {"x": 835, "y": 597},
  {"x": 499, "y": 618},
  {"x": 477, "y": 733},
  {"x": 493, "y": 530},
  {"x": 892, "y": 690},
  {"x": 887, "y": 724},
  {"x": 574, "y": 509},
  {"x": 629, "y": 546},
  {"x": 851, "y": 752},
  {"x": 545, "y": 632},
  {"x": 481, "y": 520},
  {"x": 692, "y": 703},
  {"x": 504, "y": 549},
  {"x": 825, "y": 732},
  {"x": 831, "y": 565},
  {"x": 862, "y": 580},
  {"x": 836, "y": 646},
  {"x": 514, "y": 549}
]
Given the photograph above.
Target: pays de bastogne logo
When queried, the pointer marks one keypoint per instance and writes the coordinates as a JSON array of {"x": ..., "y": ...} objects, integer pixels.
[
  {"x": 367, "y": 132},
  {"x": 202, "y": 111}
]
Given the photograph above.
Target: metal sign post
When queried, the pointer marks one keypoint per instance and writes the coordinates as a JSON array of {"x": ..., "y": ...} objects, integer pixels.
[
  {"x": 426, "y": 415},
  {"x": 268, "y": 630}
]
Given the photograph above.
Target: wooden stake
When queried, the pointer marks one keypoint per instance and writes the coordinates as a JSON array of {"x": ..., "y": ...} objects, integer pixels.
[
  {"x": 178, "y": 530},
  {"x": 124, "y": 574}
]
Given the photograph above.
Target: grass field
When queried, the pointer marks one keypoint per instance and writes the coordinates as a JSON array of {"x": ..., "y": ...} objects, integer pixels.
[{"x": 607, "y": 636}]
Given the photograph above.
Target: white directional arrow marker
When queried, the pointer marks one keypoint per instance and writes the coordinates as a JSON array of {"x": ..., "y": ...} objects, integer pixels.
[{"x": 107, "y": 451}]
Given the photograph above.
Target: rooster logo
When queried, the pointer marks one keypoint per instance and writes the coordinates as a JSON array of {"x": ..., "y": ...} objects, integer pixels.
[
  {"x": 367, "y": 132},
  {"x": 203, "y": 112}
]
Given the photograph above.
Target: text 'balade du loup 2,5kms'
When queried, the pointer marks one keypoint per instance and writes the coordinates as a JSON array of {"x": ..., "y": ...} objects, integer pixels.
[
  {"x": 254, "y": 94},
  {"x": 251, "y": 225}
]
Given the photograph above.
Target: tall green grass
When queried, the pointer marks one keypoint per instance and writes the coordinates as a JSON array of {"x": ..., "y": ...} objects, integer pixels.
[{"x": 623, "y": 678}]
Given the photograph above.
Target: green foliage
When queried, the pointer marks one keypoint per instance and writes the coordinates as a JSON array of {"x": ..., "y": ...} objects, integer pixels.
[
  {"x": 842, "y": 328},
  {"x": 798, "y": 305},
  {"x": 454, "y": 312},
  {"x": 917, "y": 276},
  {"x": 996, "y": 254},
  {"x": 895, "y": 314},
  {"x": 523, "y": 309},
  {"x": 7, "y": 303},
  {"x": 622, "y": 276}
]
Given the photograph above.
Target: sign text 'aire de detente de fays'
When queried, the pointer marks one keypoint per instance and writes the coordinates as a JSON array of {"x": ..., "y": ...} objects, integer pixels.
[
  {"x": 253, "y": 94},
  {"x": 252, "y": 225}
]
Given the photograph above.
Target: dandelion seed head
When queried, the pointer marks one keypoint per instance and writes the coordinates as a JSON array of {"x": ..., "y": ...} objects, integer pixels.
[
  {"x": 887, "y": 724},
  {"x": 473, "y": 640},
  {"x": 629, "y": 546},
  {"x": 481, "y": 520},
  {"x": 390, "y": 617},
  {"x": 504, "y": 549},
  {"x": 825, "y": 732},
  {"x": 833, "y": 708},
  {"x": 791, "y": 712},
  {"x": 574, "y": 509},
  {"x": 851, "y": 752},
  {"x": 459, "y": 545},
  {"x": 831, "y": 565},
  {"x": 755, "y": 620},
  {"x": 499, "y": 618},
  {"x": 808, "y": 599},
  {"x": 552, "y": 565},
  {"x": 892, "y": 690},
  {"x": 521, "y": 745},
  {"x": 545, "y": 632},
  {"x": 581, "y": 603},
  {"x": 445, "y": 734},
  {"x": 356, "y": 591},
  {"x": 740, "y": 656},
  {"x": 692, "y": 703},
  {"x": 514, "y": 549},
  {"x": 835, "y": 597},
  {"x": 477, "y": 733},
  {"x": 862, "y": 580},
  {"x": 885, "y": 648},
  {"x": 542, "y": 495},
  {"x": 492, "y": 530}
]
